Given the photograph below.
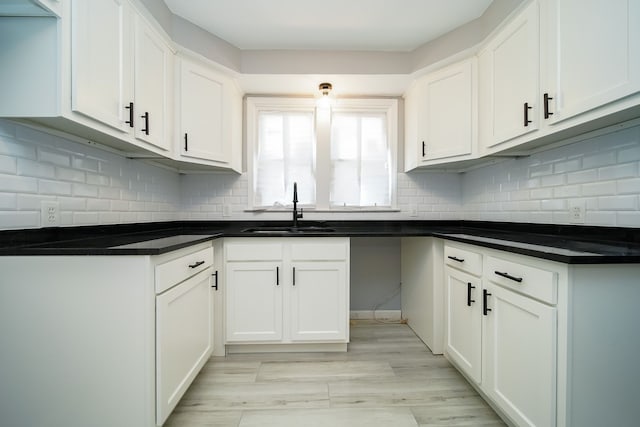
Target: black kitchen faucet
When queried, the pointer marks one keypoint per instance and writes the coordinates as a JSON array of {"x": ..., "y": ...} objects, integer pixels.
[{"x": 296, "y": 215}]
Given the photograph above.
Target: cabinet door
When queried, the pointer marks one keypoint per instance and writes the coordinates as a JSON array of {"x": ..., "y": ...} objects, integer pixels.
[
  {"x": 463, "y": 319},
  {"x": 412, "y": 136},
  {"x": 519, "y": 357},
  {"x": 184, "y": 320},
  {"x": 319, "y": 301},
  {"x": 152, "y": 83},
  {"x": 509, "y": 70},
  {"x": 254, "y": 301},
  {"x": 202, "y": 113},
  {"x": 102, "y": 66},
  {"x": 593, "y": 53},
  {"x": 447, "y": 112}
]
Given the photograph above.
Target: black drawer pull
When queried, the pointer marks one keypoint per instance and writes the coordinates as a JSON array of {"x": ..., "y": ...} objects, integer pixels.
[
  {"x": 508, "y": 276},
  {"x": 216, "y": 282},
  {"x": 197, "y": 264},
  {"x": 277, "y": 276},
  {"x": 130, "y": 108},
  {"x": 456, "y": 259},
  {"x": 547, "y": 113},
  {"x": 485, "y": 309},
  {"x": 526, "y": 114},
  {"x": 145, "y": 116},
  {"x": 294, "y": 276},
  {"x": 469, "y": 300}
]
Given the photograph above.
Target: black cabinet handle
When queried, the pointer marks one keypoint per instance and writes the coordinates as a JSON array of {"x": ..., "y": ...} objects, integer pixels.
[
  {"x": 186, "y": 142},
  {"x": 485, "y": 309},
  {"x": 196, "y": 264},
  {"x": 216, "y": 281},
  {"x": 294, "y": 276},
  {"x": 145, "y": 116},
  {"x": 508, "y": 276},
  {"x": 277, "y": 276},
  {"x": 130, "y": 108},
  {"x": 423, "y": 149},
  {"x": 547, "y": 114},
  {"x": 455, "y": 259},
  {"x": 469, "y": 300},
  {"x": 526, "y": 114}
]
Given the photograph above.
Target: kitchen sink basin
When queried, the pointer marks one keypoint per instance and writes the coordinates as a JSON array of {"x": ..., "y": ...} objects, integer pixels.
[{"x": 287, "y": 230}]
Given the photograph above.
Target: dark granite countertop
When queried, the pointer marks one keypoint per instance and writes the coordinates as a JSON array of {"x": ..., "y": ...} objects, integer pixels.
[{"x": 567, "y": 244}]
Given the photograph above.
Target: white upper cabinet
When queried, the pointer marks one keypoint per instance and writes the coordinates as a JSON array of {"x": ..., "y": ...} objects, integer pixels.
[
  {"x": 593, "y": 53},
  {"x": 209, "y": 115},
  {"x": 509, "y": 80},
  {"x": 441, "y": 116},
  {"x": 105, "y": 71},
  {"x": 54, "y": 6},
  {"x": 30, "y": 8},
  {"x": 570, "y": 66},
  {"x": 133, "y": 65},
  {"x": 102, "y": 61},
  {"x": 153, "y": 86}
]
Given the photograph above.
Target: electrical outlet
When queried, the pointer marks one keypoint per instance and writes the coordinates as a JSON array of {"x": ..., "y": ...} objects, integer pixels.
[
  {"x": 49, "y": 214},
  {"x": 576, "y": 214},
  {"x": 414, "y": 211},
  {"x": 226, "y": 210}
]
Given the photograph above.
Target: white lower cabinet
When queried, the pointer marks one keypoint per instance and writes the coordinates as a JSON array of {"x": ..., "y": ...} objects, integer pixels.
[
  {"x": 520, "y": 356},
  {"x": 287, "y": 290},
  {"x": 464, "y": 321},
  {"x": 318, "y": 301},
  {"x": 422, "y": 300},
  {"x": 554, "y": 345},
  {"x": 501, "y": 330},
  {"x": 102, "y": 340},
  {"x": 254, "y": 301},
  {"x": 184, "y": 319}
]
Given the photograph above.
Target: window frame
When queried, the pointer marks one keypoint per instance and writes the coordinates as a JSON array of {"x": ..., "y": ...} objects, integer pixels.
[
  {"x": 384, "y": 106},
  {"x": 322, "y": 124}
]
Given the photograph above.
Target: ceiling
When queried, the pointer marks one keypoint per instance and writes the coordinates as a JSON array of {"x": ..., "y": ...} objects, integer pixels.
[{"x": 366, "y": 25}]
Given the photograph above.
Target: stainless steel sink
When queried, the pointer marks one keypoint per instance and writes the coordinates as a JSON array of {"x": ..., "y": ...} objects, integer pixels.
[{"x": 287, "y": 230}]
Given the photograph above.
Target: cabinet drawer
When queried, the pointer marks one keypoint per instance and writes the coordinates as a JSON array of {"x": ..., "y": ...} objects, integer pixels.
[
  {"x": 177, "y": 270},
  {"x": 252, "y": 251},
  {"x": 527, "y": 279},
  {"x": 463, "y": 259},
  {"x": 319, "y": 250}
]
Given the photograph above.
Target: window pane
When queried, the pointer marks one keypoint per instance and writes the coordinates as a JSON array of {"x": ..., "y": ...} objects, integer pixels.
[
  {"x": 284, "y": 155},
  {"x": 360, "y": 157},
  {"x": 344, "y": 136}
]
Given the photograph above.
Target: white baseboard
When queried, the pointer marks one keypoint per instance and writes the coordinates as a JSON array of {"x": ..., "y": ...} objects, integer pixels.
[{"x": 379, "y": 314}]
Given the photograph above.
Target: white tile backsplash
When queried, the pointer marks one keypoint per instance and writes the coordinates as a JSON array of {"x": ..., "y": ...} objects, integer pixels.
[
  {"x": 98, "y": 187},
  {"x": 92, "y": 186},
  {"x": 601, "y": 173}
]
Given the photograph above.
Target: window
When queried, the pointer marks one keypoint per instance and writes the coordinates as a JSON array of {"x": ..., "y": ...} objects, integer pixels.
[
  {"x": 285, "y": 154},
  {"x": 343, "y": 158},
  {"x": 360, "y": 160}
]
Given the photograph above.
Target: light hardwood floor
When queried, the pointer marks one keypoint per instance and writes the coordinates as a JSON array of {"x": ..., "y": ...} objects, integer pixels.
[{"x": 387, "y": 378}]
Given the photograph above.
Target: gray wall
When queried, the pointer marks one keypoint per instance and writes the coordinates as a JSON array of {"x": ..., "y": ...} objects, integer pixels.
[
  {"x": 375, "y": 273},
  {"x": 328, "y": 62}
]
